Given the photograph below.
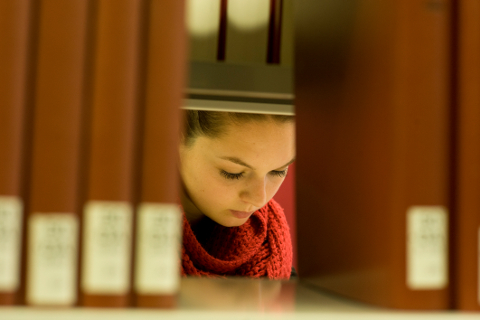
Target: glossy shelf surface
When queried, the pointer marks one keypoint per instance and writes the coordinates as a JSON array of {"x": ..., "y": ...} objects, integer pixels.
[{"x": 238, "y": 299}]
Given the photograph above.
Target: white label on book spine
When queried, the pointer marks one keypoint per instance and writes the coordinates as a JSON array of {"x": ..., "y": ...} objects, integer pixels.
[
  {"x": 107, "y": 239},
  {"x": 11, "y": 212},
  {"x": 427, "y": 247},
  {"x": 52, "y": 253},
  {"x": 158, "y": 249}
]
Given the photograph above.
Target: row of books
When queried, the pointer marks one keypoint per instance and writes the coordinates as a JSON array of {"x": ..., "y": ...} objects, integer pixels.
[
  {"x": 241, "y": 31},
  {"x": 90, "y": 96},
  {"x": 388, "y": 169}
]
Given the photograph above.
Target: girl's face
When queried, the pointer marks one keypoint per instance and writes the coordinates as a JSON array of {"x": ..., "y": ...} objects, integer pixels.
[{"x": 229, "y": 177}]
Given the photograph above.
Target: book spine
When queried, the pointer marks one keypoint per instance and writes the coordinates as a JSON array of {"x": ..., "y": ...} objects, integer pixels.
[
  {"x": 114, "y": 107},
  {"x": 14, "y": 62},
  {"x": 275, "y": 31},
  {"x": 422, "y": 160},
  {"x": 466, "y": 242},
  {"x": 373, "y": 131},
  {"x": 52, "y": 238},
  {"x": 222, "y": 31},
  {"x": 287, "y": 30},
  {"x": 165, "y": 80}
]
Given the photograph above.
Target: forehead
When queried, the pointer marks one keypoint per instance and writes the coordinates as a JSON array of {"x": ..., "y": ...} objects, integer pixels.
[
  {"x": 265, "y": 142},
  {"x": 265, "y": 132}
]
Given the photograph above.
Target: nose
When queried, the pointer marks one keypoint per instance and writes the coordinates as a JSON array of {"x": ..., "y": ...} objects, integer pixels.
[{"x": 255, "y": 193}]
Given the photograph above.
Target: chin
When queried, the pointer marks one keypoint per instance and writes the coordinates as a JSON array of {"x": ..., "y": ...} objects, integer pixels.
[
  {"x": 233, "y": 222},
  {"x": 226, "y": 219}
]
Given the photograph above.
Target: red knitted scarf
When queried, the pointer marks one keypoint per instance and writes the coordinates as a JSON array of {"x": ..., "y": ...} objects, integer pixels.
[{"x": 261, "y": 247}]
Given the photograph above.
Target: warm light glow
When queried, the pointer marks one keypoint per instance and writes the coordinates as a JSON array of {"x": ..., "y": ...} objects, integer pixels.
[
  {"x": 203, "y": 17},
  {"x": 248, "y": 14}
]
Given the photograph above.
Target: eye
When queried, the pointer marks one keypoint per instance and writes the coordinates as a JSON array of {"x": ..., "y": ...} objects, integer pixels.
[
  {"x": 280, "y": 174},
  {"x": 231, "y": 176}
]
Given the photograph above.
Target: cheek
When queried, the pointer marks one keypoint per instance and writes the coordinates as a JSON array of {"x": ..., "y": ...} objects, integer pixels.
[
  {"x": 216, "y": 190},
  {"x": 198, "y": 180},
  {"x": 273, "y": 186}
]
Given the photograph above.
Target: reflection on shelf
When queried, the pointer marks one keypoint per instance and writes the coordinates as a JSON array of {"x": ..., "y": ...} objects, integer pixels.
[{"x": 239, "y": 298}]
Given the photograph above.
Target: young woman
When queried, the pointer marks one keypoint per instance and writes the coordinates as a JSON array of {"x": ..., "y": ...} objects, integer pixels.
[{"x": 231, "y": 165}]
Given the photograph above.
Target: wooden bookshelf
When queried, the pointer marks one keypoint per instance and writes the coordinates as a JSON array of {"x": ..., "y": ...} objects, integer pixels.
[{"x": 240, "y": 88}]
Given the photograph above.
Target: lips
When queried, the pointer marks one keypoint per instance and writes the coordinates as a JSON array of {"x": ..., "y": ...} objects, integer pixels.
[{"x": 241, "y": 214}]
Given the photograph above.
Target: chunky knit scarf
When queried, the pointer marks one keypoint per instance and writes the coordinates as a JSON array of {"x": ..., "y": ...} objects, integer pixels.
[{"x": 261, "y": 247}]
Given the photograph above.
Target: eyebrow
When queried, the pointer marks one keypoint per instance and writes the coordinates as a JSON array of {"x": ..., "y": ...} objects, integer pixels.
[{"x": 242, "y": 163}]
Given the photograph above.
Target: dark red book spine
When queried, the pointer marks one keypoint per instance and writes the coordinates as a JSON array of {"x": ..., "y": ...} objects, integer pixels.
[
  {"x": 114, "y": 109},
  {"x": 157, "y": 268},
  {"x": 222, "y": 31},
  {"x": 52, "y": 239},
  {"x": 466, "y": 237},
  {"x": 274, "y": 31},
  {"x": 372, "y": 101},
  {"x": 15, "y": 44}
]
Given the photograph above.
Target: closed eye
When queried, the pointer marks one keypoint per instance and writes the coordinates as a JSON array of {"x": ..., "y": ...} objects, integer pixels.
[
  {"x": 237, "y": 176},
  {"x": 280, "y": 174},
  {"x": 231, "y": 176}
]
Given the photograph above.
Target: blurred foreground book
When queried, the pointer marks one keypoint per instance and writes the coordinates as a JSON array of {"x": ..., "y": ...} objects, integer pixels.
[{"x": 373, "y": 131}]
